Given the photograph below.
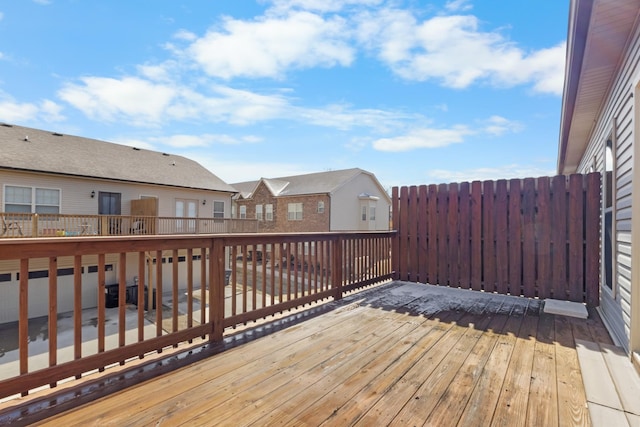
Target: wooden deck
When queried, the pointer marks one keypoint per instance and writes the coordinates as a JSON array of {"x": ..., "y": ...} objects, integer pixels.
[{"x": 387, "y": 356}]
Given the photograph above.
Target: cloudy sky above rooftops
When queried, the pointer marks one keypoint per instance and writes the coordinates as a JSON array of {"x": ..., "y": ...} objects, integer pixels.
[{"x": 417, "y": 92}]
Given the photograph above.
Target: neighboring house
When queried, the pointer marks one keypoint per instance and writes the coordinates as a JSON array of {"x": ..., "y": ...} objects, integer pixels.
[
  {"x": 340, "y": 200},
  {"x": 600, "y": 121},
  {"x": 47, "y": 172}
]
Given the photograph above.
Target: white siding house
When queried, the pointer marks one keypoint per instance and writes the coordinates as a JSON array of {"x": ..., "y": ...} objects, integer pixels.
[
  {"x": 339, "y": 200},
  {"x": 47, "y": 172},
  {"x": 599, "y": 125}
]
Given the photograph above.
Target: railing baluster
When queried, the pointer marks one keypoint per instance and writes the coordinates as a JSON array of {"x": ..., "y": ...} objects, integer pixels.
[
  {"x": 23, "y": 322},
  {"x": 158, "y": 295},
  {"x": 77, "y": 308},
  {"x": 174, "y": 291},
  {"x": 142, "y": 260},
  {"x": 53, "y": 313},
  {"x": 122, "y": 299},
  {"x": 189, "y": 260},
  {"x": 101, "y": 304}
]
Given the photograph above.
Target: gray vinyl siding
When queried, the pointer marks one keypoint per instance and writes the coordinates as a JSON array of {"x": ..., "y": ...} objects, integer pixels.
[{"x": 618, "y": 116}]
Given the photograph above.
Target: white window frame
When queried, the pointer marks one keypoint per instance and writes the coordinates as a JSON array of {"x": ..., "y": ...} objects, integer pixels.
[
  {"x": 218, "y": 213},
  {"x": 294, "y": 211},
  {"x": 372, "y": 213},
  {"x": 243, "y": 211},
  {"x": 363, "y": 212},
  {"x": 321, "y": 206},
  {"x": 268, "y": 212},
  {"x": 33, "y": 204},
  {"x": 259, "y": 215}
]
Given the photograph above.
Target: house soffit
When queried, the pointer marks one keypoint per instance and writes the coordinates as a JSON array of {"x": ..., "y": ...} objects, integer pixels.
[{"x": 593, "y": 61}]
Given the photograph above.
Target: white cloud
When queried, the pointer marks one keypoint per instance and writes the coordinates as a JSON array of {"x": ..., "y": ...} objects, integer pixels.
[
  {"x": 488, "y": 173},
  {"x": 1, "y": 16},
  {"x": 458, "y": 5},
  {"x": 233, "y": 170},
  {"x": 269, "y": 46},
  {"x": 321, "y": 5},
  {"x": 12, "y": 111},
  {"x": 204, "y": 140},
  {"x": 43, "y": 2},
  {"x": 497, "y": 126},
  {"x": 423, "y": 138},
  {"x": 454, "y": 50},
  {"x": 109, "y": 99}
]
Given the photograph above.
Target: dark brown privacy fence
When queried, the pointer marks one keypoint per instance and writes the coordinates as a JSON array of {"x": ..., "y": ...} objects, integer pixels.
[{"x": 532, "y": 237}]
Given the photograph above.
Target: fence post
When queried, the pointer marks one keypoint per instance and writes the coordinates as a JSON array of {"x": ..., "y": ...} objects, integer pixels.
[
  {"x": 592, "y": 239},
  {"x": 395, "y": 240}
]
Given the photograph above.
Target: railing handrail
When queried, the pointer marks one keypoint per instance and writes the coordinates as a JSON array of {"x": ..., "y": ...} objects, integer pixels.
[{"x": 16, "y": 225}]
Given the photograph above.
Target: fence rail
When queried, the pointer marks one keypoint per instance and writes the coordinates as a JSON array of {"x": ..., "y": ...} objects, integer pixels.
[
  {"x": 533, "y": 237},
  {"x": 65, "y": 225},
  {"x": 107, "y": 300}
]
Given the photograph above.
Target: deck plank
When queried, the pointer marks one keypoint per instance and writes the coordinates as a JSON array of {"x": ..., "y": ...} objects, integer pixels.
[
  {"x": 405, "y": 387},
  {"x": 572, "y": 401},
  {"x": 365, "y": 364},
  {"x": 354, "y": 408},
  {"x": 511, "y": 408},
  {"x": 453, "y": 400},
  {"x": 543, "y": 394},
  {"x": 482, "y": 402}
]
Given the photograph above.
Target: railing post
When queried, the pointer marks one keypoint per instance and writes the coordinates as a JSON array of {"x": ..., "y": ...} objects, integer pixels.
[
  {"x": 216, "y": 290},
  {"x": 336, "y": 268},
  {"x": 104, "y": 225},
  {"x": 34, "y": 225}
]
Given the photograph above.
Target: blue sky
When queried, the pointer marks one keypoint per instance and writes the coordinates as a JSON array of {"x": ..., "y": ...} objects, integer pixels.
[{"x": 416, "y": 92}]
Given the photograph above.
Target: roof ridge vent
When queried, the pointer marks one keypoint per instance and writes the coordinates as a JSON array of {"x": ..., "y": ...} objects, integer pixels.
[
  {"x": 56, "y": 134},
  {"x": 7, "y": 125},
  {"x": 136, "y": 148},
  {"x": 165, "y": 154}
]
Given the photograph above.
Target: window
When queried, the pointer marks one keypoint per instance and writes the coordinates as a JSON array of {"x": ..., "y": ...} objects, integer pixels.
[
  {"x": 372, "y": 213},
  {"x": 364, "y": 213},
  {"x": 294, "y": 212},
  {"x": 29, "y": 200},
  {"x": 320, "y": 207},
  {"x": 218, "y": 209},
  {"x": 268, "y": 212},
  {"x": 243, "y": 212},
  {"x": 259, "y": 212}
]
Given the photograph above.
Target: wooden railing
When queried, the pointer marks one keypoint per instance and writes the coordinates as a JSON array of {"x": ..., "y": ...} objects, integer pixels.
[
  {"x": 62, "y": 225},
  {"x": 99, "y": 294}
]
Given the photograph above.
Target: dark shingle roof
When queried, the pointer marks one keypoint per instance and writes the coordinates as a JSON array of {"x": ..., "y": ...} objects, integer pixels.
[
  {"x": 297, "y": 185},
  {"x": 30, "y": 149}
]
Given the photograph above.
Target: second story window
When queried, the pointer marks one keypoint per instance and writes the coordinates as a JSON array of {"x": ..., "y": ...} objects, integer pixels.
[
  {"x": 259, "y": 212},
  {"x": 321, "y": 207},
  {"x": 364, "y": 213},
  {"x": 218, "y": 209},
  {"x": 243, "y": 212},
  {"x": 294, "y": 212},
  {"x": 372, "y": 213},
  {"x": 268, "y": 212}
]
